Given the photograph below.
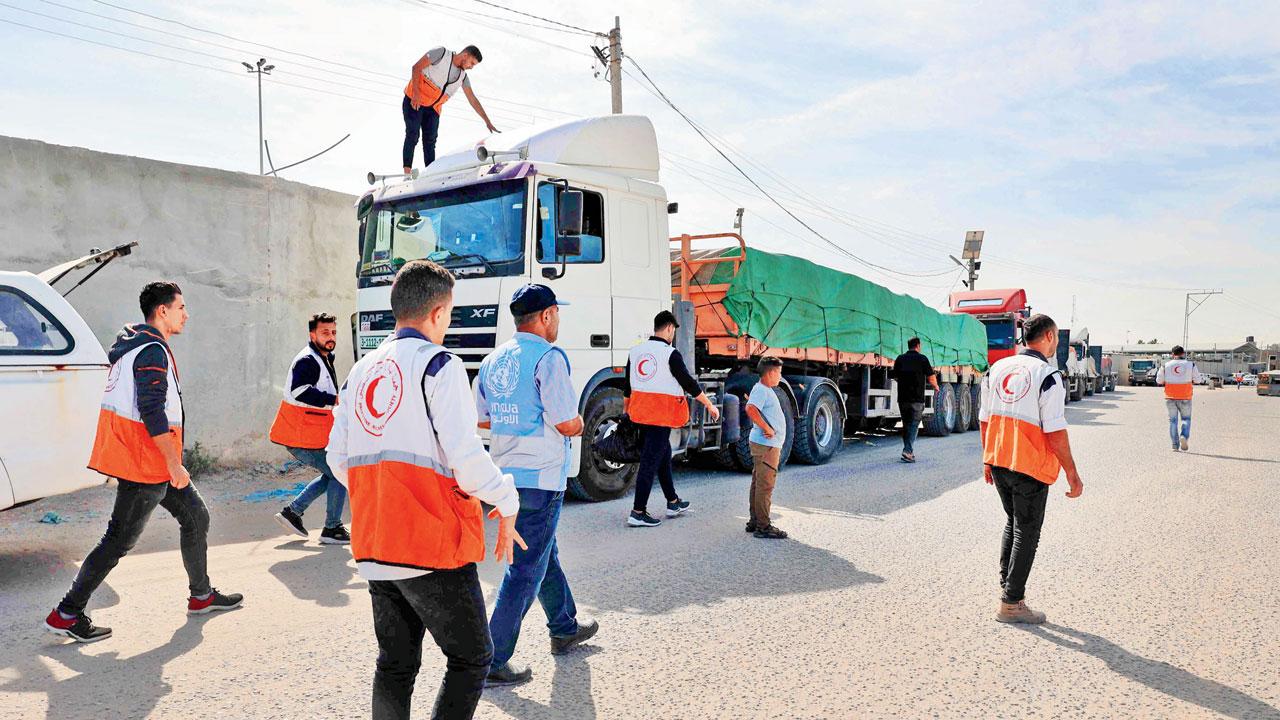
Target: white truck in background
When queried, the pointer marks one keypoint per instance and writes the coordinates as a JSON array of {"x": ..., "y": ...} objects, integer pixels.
[{"x": 52, "y": 372}]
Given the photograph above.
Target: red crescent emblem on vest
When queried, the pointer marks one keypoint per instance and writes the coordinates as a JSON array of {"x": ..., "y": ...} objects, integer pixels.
[
  {"x": 379, "y": 393},
  {"x": 640, "y": 366},
  {"x": 369, "y": 394},
  {"x": 1014, "y": 386}
]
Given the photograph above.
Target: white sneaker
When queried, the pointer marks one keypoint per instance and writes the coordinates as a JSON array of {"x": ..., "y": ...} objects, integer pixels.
[{"x": 1182, "y": 443}]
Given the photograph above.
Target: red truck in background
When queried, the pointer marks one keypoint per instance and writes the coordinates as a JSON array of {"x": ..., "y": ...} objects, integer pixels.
[{"x": 1001, "y": 310}]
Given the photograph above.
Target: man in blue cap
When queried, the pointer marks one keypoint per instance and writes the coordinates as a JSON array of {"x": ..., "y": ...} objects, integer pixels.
[{"x": 525, "y": 398}]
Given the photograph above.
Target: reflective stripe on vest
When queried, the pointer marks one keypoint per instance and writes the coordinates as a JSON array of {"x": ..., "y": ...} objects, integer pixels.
[
  {"x": 656, "y": 395},
  {"x": 406, "y": 508},
  {"x": 521, "y": 441},
  {"x": 122, "y": 447},
  {"x": 1014, "y": 438},
  {"x": 298, "y": 424},
  {"x": 431, "y": 87},
  {"x": 1178, "y": 377}
]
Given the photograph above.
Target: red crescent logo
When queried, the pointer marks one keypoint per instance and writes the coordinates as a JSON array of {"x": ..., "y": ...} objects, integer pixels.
[
  {"x": 368, "y": 398},
  {"x": 1005, "y": 385},
  {"x": 640, "y": 366},
  {"x": 374, "y": 409}
]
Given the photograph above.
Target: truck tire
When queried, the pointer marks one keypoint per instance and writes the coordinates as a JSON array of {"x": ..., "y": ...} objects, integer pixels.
[
  {"x": 1077, "y": 391},
  {"x": 939, "y": 424},
  {"x": 742, "y": 449},
  {"x": 820, "y": 432},
  {"x": 1091, "y": 386},
  {"x": 975, "y": 403},
  {"x": 599, "y": 479},
  {"x": 964, "y": 408}
]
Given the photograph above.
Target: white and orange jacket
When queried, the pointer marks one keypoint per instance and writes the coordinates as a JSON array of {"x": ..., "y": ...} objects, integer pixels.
[
  {"x": 1178, "y": 376},
  {"x": 305, "y": 416},
  {"x": 1023, "y": 399}
]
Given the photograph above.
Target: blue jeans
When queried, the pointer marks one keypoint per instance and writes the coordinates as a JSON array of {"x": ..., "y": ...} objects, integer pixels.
[
  {"x": 911, "y": 413},
  {"x": 534, "y": 573},
  {"x": 1179, "y": 408},
  {"x": 324, "y": 483}
]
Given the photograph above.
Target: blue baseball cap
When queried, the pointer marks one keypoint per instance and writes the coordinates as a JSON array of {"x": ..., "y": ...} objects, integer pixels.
[{"x": 533, "y": 298}]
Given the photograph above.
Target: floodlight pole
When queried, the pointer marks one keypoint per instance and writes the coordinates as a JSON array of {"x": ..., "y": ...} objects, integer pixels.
[
  {"x": 261, "y": 69},
  {"x": 972, "y": 251}
]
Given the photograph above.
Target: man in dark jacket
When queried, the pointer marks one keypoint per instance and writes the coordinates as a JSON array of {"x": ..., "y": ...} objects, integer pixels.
[
  {"x": 911, "y": 370},
  {"x": 139, "y": 443}
]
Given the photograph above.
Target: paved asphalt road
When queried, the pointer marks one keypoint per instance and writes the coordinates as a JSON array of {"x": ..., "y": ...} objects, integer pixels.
[{"x": 1161, "y": 585}]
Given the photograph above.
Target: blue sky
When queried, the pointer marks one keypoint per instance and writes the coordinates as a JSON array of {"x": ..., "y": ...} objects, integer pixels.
[{"x": 1113, "y": 152}]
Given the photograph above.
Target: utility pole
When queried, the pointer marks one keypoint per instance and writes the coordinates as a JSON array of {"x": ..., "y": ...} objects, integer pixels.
[
  {"x": 737, "y": 222},
  {"x": 262, "y": 69},
  {"x": 615, "y": 64},
  {"x": 972, "y": 251},
  {"x": 1187, "y": 309}
]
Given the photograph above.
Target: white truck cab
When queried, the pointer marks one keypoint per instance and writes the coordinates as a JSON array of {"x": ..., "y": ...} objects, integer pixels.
[{"x": 52, "y": 372}]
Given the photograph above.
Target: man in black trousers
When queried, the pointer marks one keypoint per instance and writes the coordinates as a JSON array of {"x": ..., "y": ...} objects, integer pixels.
[{"x": 912, "y": 369}]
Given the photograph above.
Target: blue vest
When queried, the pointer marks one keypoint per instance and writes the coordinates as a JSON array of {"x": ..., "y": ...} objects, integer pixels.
[{"x": 521, "y": 441}]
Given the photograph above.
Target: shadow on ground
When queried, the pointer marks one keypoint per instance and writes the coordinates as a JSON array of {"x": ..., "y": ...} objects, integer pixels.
[
  {"x": 570, "y": 691},
  {"x": 322, "y": 575}
]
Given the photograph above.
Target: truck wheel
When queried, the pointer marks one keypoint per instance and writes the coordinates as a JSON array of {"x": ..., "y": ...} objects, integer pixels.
[
  {"x": 975, "y": 404},
  {"x": 598, "y": 479},
  {"x": 939, "y": 424},
  {"x": 742, "y": 449},
  {"x": 820, "y": 432},
  {"x": 964, "y": 408},
  {"x": 1090, "y": 386},
  {"x": 1077, "y": 391}
]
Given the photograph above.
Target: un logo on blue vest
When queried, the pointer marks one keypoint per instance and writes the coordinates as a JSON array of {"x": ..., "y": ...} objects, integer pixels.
[{"x": 504, "y": 376}]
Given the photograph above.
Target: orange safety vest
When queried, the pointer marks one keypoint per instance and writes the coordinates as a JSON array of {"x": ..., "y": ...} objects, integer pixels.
[
  {"x": 406, "y": 508},
  {"x": 297, "y": 424},
  {"x": 1015, "y": 433},
  {"x": 656, "y": 395},
  {"x": 1177, "y": 376},
  {"x": 122, "y": 447},
  {"x": 430, "y": 85}
]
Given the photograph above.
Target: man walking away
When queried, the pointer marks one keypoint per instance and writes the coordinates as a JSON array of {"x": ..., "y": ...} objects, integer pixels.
[
  {"x": 404, "y": 443},
  {"x": 1178, "y": 376},
  {"x": 525, "y": 398},
  {"x": 911, "y": 370},
  {"x": 436, "y": 77},
  {"x": 139, "y": 443},
  {"x": 768, "y": 434},
  {"x": 302, "y": 425},
  {"x": 1024, "y": 445},
  {"x": 656, "y": 384}
]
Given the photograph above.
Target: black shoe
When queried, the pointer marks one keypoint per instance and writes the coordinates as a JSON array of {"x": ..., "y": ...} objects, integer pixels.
[
  {"x": 677, "y": 507},
  {"x": 80, "y": 628},
  {"x": 561, "y": 644},
  {"x": 640, "y": 518},
  {"x": 751, "y": 526},
  {"x": 508, "y": 674},
  {"x": 291, "y": 521},
  {"x": 216, "y": 601},
  {"x": 771, "y": 533},
  {"x": 335, "y": 536}
]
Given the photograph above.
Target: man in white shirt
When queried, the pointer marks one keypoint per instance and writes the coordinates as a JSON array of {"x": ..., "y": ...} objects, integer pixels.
[{"x": 436, "y": 77}]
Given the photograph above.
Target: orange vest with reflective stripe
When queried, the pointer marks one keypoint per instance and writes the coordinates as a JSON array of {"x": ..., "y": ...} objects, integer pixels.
[
  {"x": 298, "y": 424},
  {"x": 430, "y": 87},
  {"x": 1014, "y": 436},
  {"x": 406, "y": 508},
  {"x": 1178, "y": 376},
  {"x": 656, "y": 396},
  {"x": 122, "y": 447}
]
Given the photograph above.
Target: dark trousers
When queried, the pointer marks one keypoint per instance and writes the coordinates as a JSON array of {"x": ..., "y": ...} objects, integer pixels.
[
  {"x": 655, "y": 460},
  {"x": 1024, "y": 499},
  {"x": 449, "y": 605},
  {"x": 424, "y": 120},
  {"x": 911, "y": 413},
  {"x": 134, "y": 504}
]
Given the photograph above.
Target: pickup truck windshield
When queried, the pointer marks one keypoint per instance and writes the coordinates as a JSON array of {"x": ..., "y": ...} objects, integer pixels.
[{"x": 475, "y": 231}]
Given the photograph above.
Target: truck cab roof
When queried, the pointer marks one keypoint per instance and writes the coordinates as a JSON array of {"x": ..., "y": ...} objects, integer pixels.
[{"x": 989, "y": 302}]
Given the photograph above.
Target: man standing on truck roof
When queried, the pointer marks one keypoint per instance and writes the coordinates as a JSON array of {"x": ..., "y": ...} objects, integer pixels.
[
  {"x": 911, "y": 370},
  {"x": 524, "y": 396},
  {"x": 656, "y": 385},
  {"x": 1178, "y": 376},
  {"x": 1024, "y": 445},
  {"x": 436, "y": 77},
  {"x": 139, "y": 443},
  {"x": 302, "y": 426}
]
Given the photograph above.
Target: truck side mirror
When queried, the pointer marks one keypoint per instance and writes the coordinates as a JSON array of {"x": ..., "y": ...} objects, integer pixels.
[
  {"x": 568, "y": 215},
  {"x": 568, "y": 246}
]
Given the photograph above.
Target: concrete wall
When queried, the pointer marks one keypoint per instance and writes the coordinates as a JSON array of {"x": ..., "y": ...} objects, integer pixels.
[{"x": 255, "y": 258}]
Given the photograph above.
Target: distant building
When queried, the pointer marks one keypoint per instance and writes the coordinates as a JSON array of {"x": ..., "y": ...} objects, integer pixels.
[{"x": 1222, "y": 361}]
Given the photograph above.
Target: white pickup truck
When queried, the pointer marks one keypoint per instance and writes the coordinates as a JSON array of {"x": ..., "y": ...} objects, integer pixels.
[{"x": 52, "y": 372}]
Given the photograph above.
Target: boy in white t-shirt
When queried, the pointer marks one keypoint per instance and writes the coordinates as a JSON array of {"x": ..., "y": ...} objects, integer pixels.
[{"x": 768, "y": 434}]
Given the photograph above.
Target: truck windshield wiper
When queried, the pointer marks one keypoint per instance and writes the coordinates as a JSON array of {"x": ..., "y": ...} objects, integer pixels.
[{"x": 474, "y": 258}]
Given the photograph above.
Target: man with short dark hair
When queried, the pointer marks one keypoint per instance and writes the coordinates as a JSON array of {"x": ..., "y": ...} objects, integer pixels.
[
  {"x": 911, "y": 370},
  {"x": 302, "y": 426},
  {"x": 139, "y": 443},
  {"x": 656, "y": 385},
  {"x": 1178, "y": 376},
  {"x": 404, "y": 443},
  {"x": 1024, "y": 447},
  {"x": 436, "y": 77},
  {"x": 768, "y": 435}
]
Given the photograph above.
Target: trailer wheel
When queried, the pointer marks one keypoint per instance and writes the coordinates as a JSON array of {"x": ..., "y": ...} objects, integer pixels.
[
  {"x": 975, "y": 404},
  {"x": 964, "y": 408},
  {"x": 1090, "y": 386},
  {"x": 598, "y": 479},
  {"x": 1077, "y": 391},
  {"x": 939, "y": 424},
  {"x": 819, "y": 433},
  {"x": 742, "y": 449}
]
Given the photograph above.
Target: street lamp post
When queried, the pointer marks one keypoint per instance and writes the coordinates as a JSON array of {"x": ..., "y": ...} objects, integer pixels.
[{"x": 261, "y": 69}]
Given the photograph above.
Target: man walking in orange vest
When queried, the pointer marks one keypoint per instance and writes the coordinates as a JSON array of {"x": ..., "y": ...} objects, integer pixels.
[
  {"x": 302, "y": 425},
  {"x": 1178, "y": 376},
  {"x": 417, "y": 529},
  {"x": 436, "y": 77},
  {"x": 139, "y": 443},
  {"x": 1024, "y": 446}
]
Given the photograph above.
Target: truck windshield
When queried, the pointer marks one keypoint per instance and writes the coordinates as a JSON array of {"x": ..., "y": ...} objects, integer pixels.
[
  {"x": 1000, "y": 335},
  {"x": 475, "y": 231},
  {"x": 1141, "y": 365}
]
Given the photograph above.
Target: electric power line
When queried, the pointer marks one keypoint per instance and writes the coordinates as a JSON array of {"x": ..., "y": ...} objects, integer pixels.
[{"x": 537, "y": 17}]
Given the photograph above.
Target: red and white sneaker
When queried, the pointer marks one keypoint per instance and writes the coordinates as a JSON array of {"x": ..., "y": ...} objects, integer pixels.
[
  {"x": 215, "y": 601},
  {"x": 79, "y": 628}
]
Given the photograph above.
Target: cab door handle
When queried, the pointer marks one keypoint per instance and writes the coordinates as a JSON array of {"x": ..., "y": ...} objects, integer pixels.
[{"x": 599, "y": 341}]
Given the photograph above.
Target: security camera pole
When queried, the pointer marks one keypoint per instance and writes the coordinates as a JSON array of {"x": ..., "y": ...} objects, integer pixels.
[
  {"x": 972, "y": 251},
  {"x": 262, "y": 69}
]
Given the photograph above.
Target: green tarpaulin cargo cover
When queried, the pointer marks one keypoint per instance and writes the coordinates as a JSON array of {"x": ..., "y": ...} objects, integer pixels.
[{"x": 785, "y": 301}]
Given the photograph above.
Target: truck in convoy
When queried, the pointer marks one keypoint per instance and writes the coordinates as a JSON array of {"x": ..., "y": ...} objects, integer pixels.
[
  {"x": 1106, "y": 369},
  {"x": 1142, "y": 371},
  {"x": 1076, "y": 363},
  {"x": 1001, "y": 310},
  {"x": 577, "y": 205}
]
